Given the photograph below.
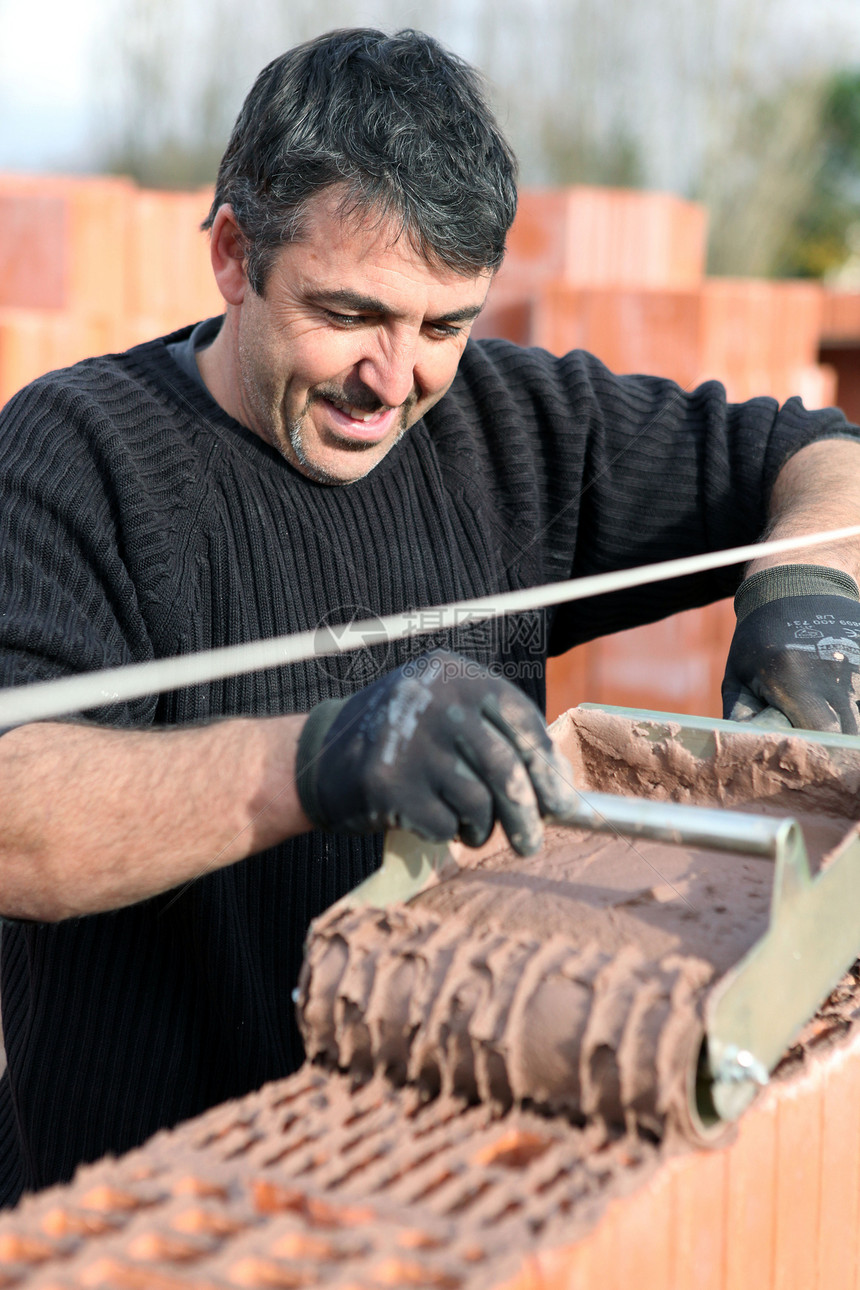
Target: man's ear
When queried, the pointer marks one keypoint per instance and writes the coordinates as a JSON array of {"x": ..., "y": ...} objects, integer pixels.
[{"x": 227, "y": 252}]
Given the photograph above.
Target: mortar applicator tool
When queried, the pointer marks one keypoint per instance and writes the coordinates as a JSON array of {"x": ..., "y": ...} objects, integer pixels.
[{"x": 581, "y": 1026}]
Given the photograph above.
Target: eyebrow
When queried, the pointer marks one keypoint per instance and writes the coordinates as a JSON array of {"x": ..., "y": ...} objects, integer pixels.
[{"x": 346, "y": 299}]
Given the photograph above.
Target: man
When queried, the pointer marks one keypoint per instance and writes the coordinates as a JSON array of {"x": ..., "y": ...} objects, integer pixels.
[{"x": 332, "y": 444}]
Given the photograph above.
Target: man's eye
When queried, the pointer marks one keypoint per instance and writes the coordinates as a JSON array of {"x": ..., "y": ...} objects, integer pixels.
[
  {"x": 443, "y": 330},
  {"x": 344, "y": 320}
]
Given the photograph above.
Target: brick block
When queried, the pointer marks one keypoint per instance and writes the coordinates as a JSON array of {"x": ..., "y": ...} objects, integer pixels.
[
  {"x": 842, "y": 361},
  {"x": 650, "y": 668},
  {"x": 797, "y": 322},
  {"x": 839, "y": 1219},
  {"x": 816, "y": 385},
  {"x": 644, "y": 1232},
  {"x": 529, "y": 1277},
  {"x": 676, "y": 665},
  {"x": 737, "y": 315},
  {"x": 644, "y": 239},
  {"x": 33, "y": 342},
  {"x": 699, "y": 1219},
  {"x": 567, "y": 680},
  {"x": 763, "y": 338},
  {"x": 589, "y": 1263},
  {"x": 797, "y": 1183},
  {"x": 169, "y": 272},
  {"x": 506, "y": 314},
  {"x": 665, "y": 666},
  {"x": 536, "y": 241},
  {"x": 750, "y": 1208},
  {"x": 588, "y": 237},
  {"x": 95, "y": 218},
  {"x": 33, "y": 251},
  {"x": 630, "y": 330},
  {"x": 98, "y": 251},
  {"x": 778, "y": 1206},
  {"x": 100, "y": 247},
  {"x": 841, "y": 316}
]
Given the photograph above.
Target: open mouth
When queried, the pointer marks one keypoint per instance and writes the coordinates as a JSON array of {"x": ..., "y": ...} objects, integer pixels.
[{"x": 357, "y": 424}]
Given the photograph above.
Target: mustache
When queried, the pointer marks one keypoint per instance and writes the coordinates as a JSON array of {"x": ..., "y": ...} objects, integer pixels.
[{"x": 360, "y": 398}]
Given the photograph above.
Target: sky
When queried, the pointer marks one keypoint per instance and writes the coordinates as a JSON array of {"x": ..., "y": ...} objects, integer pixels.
[{"x": 45, "y": 82}]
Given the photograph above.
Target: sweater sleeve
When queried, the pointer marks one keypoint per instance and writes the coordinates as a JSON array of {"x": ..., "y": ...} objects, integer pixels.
[
  {"x": 67, "y": 604},
  {"x": 610, "y": 472}
]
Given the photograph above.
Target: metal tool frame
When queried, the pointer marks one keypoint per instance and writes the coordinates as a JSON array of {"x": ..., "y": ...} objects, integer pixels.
[{"x": 758, "y": 1006}]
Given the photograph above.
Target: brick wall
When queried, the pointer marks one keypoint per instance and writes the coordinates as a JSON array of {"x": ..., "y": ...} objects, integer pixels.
[
  {"x": 92, "y": 265},
  {"x": 89, "y": 265},
  {"x": 622, "y": 274}
]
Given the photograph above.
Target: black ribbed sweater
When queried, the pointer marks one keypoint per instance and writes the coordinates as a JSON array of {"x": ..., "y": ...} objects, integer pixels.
[{"x": 138, "y": 521}]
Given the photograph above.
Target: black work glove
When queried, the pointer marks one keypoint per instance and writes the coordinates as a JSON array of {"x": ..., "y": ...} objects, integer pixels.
[
  {"x": 796, "y": 648},
  {"x": 440, "y": 747}
]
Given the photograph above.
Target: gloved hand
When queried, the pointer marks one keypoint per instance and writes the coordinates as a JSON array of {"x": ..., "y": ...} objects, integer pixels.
[
  {"x": 439, "y": 746},
  {"x": 796, "y": 648}
]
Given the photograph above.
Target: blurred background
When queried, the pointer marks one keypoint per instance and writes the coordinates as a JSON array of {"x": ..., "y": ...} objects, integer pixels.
[
  {"x": 749, "y": 106},
  {"x": 690, "y": 203}
]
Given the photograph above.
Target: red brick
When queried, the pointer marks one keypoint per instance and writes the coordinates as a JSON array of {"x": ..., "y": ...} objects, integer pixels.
[
  {"x": 763, "y": 338},
  {"x": 750, "y": 1213},
  {"x": 841, "y": 316},
  {"x": 737, "y": 317},
  {"x": 699, "y": 1221},
  {"x": 536, "y": 241},
  {"x": 33, "y": 250},
  {"x": 842, "y": 363},
  {"x": 589, "y": 1263},
  {"x": 597, "y": 237},
  {"x": 169, "y": 272},
  {"x": 630, "y": 330},
  {"x": 643, "y": 1249},
  {"x": 798, "y": 1183},
  {"x": 529, "y": 1277},
  {"x": 33, "y": 342},
  {"x": 567, "y": 681},
  {"x": 506, "y": 314},
  {"x": 839, "y": 1218},
  {"x": 796, "y": 324},
  {"x": 654, "y": 667},
  {"x": 676, "y": 665}
]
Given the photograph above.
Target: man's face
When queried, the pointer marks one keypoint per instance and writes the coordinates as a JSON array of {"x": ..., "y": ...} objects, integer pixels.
[{"x": 354, "y": 339}]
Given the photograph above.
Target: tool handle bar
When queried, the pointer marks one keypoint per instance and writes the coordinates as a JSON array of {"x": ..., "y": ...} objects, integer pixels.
[{"x": 701, "y": 826}]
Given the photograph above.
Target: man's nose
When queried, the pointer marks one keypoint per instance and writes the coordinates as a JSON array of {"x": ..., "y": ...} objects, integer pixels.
[{"x": 389, "y": 371}]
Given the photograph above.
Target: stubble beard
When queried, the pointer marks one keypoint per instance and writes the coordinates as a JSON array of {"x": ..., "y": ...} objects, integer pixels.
[
  {"x": 318, "y": 473},
  {"x": 266, "y": 412}
]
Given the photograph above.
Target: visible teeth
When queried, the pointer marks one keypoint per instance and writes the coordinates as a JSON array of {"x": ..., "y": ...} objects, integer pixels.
[{"x": 357, "y": 414}]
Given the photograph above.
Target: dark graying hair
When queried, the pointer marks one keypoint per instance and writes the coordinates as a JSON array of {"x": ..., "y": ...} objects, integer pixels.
[{"x": 405, "y": 127}]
